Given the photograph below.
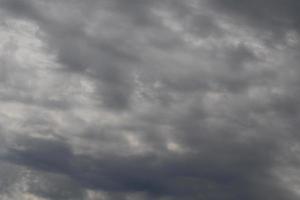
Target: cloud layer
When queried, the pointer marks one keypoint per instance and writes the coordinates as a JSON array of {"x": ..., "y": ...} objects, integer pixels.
[{"x": 140, "y": 100}]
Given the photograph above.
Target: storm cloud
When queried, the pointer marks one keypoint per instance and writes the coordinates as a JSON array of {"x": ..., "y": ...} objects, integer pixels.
[{"x": 148, "y": 99}]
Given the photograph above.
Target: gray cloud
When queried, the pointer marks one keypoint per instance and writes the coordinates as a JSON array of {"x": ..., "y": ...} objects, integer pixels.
[
  {"x": 274, "y": 18},
  {"x": 149, "y": 99}
]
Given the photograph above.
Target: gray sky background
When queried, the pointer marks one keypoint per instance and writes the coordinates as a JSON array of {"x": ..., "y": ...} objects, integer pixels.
[{"x": 149, "y": 99}]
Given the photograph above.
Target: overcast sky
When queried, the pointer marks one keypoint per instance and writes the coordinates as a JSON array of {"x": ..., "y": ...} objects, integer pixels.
[{"x": 149, "y": 99}]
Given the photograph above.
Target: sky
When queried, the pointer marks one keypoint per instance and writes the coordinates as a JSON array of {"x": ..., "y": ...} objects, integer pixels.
[{"x": 149, "y": 99}]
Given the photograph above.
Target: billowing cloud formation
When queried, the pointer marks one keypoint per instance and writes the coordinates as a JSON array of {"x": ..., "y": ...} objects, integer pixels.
[{"x": 140, "y": 100}]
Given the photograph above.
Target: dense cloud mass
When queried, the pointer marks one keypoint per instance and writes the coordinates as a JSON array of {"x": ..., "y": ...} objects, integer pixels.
[{"x": 149, "y": 99}]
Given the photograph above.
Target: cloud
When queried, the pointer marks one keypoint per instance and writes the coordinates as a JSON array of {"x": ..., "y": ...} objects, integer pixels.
[
  {"x": 149, "y": 99},
  {"x": 274, "y": 18}
]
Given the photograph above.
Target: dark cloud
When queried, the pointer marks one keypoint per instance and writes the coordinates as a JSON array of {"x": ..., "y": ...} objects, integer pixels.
[
  {"x": 217, "y": 170},
  {"x": 274, "y": 18},
  {"x": 129, "y": 99}
]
